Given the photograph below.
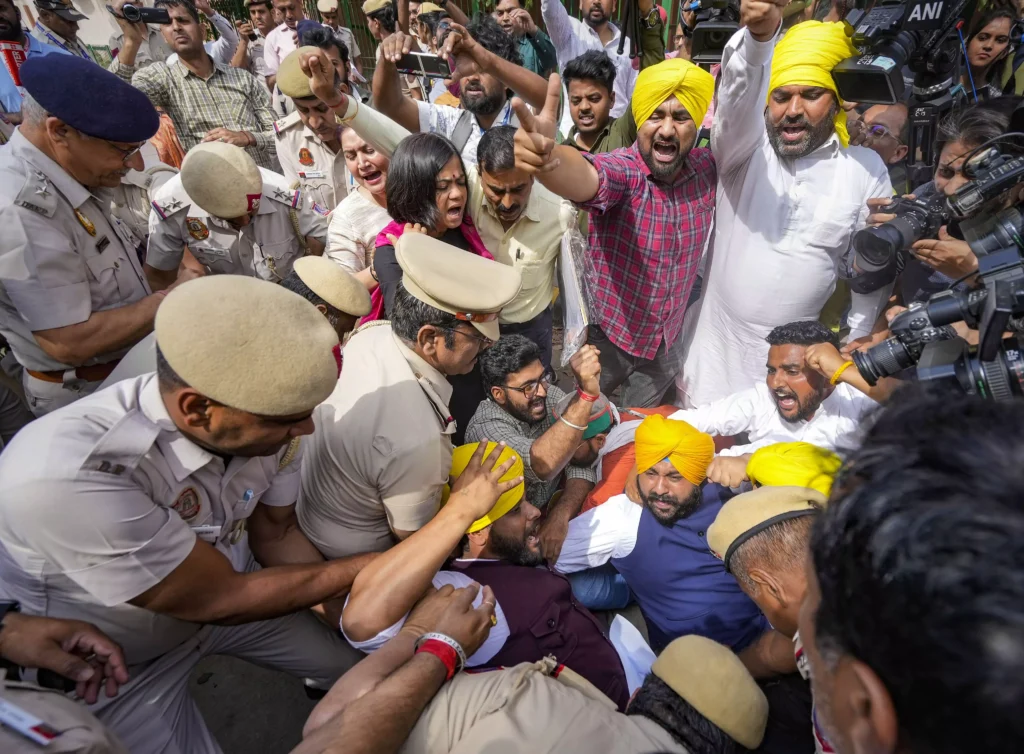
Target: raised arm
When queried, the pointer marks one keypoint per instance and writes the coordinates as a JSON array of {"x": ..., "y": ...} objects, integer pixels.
[
  {"x": 559, "y": 27},
  {"x": 653, "y": 39},
  {"x": 387, "y": 86},
  {"x": 389, "y": 587},
  {"x": 743, "y": 85},
  {"x": 560, "y": 168},
  {"x": 471, "y": 56}
]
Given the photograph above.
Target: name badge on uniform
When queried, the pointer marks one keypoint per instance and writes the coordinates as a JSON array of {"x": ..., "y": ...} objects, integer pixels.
[
  {"x": 27, "y": 724},
  {"x": 312, "y": 174},
  {"x": 209, "y": 534}
]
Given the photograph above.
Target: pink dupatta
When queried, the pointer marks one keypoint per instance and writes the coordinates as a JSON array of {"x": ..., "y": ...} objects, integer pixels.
[{"x": 469, "y": 232}]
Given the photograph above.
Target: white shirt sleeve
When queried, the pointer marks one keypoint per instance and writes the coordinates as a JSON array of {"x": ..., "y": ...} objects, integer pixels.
[
  {"x": 375, "y": 127},
  {"x": 727, "y": 416},
  {"x": 559, "y": 28},
  {"x": 602, "y": 533},
  {"x": 223, "y": 49},
  {"x": 738, "y": 128},
  {"x": 492, "y": 645},
  {"x": 438, "y": 119}
]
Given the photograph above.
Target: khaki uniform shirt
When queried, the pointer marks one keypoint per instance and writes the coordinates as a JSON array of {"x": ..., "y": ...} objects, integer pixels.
[
  {"x": 62, "y": 256},
  {"x": 523, "y": 710},
  {"x": 531, "y": 245},
  {"x": 80, "y": 732},
  {"x": 321, "y": 174},
  {"x": 265, "y": 248},
  {"x": 115, "y": 504},
  {"x": 131, "y": 203},
  {"x": 381, "y": 451},
  {"x": 152, "y": 50}
]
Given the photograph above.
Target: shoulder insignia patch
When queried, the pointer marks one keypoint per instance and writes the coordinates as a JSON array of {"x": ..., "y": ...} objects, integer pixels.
[
  {"x": 197, "y": 228},
  {"x": 106, "y": 467},
  {"x": 37, "y": 195},
  {"x": 167, "y": 209},
  {"x": 320, "y": 210},
  {"x": 291, "y": 198},
  {"x": 187, "y": 504}
]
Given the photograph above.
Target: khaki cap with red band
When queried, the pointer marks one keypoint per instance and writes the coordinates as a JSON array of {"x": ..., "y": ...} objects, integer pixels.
[
  {"x": 459, "y": 282},
  {"x": 222, "y": 179}
]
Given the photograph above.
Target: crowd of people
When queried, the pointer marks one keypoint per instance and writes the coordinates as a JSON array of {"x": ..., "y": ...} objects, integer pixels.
[{"x": 284, "y": 378}]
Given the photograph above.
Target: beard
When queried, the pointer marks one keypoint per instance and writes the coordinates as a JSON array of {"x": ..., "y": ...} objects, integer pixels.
[
  {"x": 516, "y": 551},
  {"x": 814, "y": 136},
  {"x": 524, "y": 413},
  {"x": 482, "y": 103},
  {"x": 681, "y": 510},
  {"x": 664, "y": 171},
  {"x": 596, "y": 16},
  {"x": 805, "y": 410}
]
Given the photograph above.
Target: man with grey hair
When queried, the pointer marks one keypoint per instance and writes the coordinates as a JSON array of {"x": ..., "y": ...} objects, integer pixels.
[{"x": 73, "y": 296}]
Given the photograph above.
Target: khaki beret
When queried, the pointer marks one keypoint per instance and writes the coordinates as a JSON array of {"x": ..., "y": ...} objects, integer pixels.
[
  {"x": 746, "y": 515},
  {"x": 222, "y": 179},
  {"x": 431, "y": 8},
  {"x": 471, "y": 287},
  {"x": 715, "y": 683},
  {"x": 371, "y": 6},
  {"x": 290, "y": 79},
  {"x": 327, "y": 6},
  {"x": 249, "y": 344},
  {"x": 335, "y": 285}
]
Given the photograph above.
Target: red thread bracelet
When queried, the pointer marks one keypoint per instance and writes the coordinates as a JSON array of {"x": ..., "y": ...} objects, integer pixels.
[
  {"x": 586, "y": 396},
  {"x": 443, "y": 652}
]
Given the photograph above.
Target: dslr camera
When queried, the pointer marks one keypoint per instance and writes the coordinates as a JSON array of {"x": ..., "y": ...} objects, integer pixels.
[
  {"x": 915, "y": 219},
  {"x": 715, "y": 22}
]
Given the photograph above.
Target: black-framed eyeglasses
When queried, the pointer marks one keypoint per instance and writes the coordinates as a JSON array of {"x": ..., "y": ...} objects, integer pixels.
[
  {"x": 529, "y": 389},
  {"x": 126, "y": 154},
  {"x": 483, "y": 339}
]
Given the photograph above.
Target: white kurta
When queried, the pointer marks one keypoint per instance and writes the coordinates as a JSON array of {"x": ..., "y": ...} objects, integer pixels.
[{"x": 783, "y": 225}]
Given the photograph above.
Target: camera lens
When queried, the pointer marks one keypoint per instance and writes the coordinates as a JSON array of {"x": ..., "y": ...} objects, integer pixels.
[
  {"x": 131, "y": 13},
  {"x": 883, "y": 360}
]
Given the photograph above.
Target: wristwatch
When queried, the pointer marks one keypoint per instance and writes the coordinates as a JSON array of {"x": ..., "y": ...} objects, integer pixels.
[{"x": 651, "y": 19}]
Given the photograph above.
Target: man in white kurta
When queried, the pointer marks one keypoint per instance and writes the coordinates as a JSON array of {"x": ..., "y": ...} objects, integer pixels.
[{"x": 784, "y": 225}]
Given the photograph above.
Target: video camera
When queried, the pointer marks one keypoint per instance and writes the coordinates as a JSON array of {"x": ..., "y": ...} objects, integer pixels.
[
  {"x": 922, "y": 36},
  {"x": 922, "y": 335},
  {"x": 715, "y": 22}
]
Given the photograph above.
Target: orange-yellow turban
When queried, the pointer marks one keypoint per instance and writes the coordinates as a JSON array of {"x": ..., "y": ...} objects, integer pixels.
[
  {"x": 688, "y": 449},
  {"x": 692, "y": 86},
  {"x": 794, "y": 464},
  {"x": 806, "y": 55},
  {"x": 460, "y": 460}
]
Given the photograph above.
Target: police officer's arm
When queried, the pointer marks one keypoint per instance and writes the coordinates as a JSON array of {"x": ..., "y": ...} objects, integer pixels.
[
  {"x": 205, "y": 588},
  {"x": 276, "y": 539},
  {"x": 551, "y": 452},
  {"x": 388, "y": 588},
  {"x": 241, "y": 57},
  {"x": 103, "y": 332},
  {"x": 387, "y": 86},
  {"x": 470, "y": 55},
  {"x": 373, "y": 708}
]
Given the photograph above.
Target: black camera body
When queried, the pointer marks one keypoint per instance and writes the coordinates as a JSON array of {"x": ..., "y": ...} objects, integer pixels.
[
  {"x": 137, "y": 13},
  {"x": 915, "y": 219},
  {"x": 715, "y": 22}
]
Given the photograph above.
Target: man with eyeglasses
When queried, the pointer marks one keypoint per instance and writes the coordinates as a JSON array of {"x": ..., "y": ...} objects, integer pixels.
[
  {"x": 379, "y": 458},
  {"x": 73, "y": 295},
  {"x": 885, "y": 130}
]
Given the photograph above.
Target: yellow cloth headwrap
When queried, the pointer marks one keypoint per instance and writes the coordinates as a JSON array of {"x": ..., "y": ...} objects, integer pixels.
[
  {"x": 806, "y": 55},
  {"x": 794, "y": 464},
  {"x": 687, "y": 448},
  {"x": 460, "y": 460},
  {"x": 692, "y": 86}
]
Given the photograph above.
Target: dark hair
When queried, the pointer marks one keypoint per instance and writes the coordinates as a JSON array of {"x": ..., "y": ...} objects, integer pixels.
[
  {"x": 918, "y": 558},
  {"x": 325, "y": 39},
  {"x": 166, "y": 377},
  {"x": 411, "y": 188},
  {"x": 267, "y": 3},
  {"x": 802, "y": 333},
  {"x": 508, "y": 355},
  {"x": 431, "y": 20},
  {"x": 990, "y": 15},
  {"x": 295, "y": 284},
  {"x": 656, "y": 701},
  {"x": 496, "y": 151},
  {"x": 386, "y": 17},
  {"x": 186, "y": 4},
  {"x": 779, "y": 548},
  {"x": 974, "y": 125},
  {"x": 408, "y": 314},
  {"x": 593, "y": 65},
  {"x": 489, "y": 35}
]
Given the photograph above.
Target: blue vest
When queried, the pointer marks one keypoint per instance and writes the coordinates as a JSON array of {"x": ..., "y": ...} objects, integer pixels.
[{"x": 681, "y": 587}]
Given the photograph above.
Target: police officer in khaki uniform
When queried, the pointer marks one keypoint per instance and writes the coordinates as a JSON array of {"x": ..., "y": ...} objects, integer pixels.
[
  {"x": 73, "y": 296},
  {"x": 381, "y": 452},
  {"x": 309, "y": 140},
  {"x": 333, "y": 290},
  {"x": 141, "y": 508},
  {"x": 131, "y": 201},
  {"x": 697, "y": 697},
  {"x": 235, "y": 218}
]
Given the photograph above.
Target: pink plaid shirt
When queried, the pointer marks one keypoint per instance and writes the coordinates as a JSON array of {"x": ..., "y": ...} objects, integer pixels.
[{"x": 646, "y": 240}]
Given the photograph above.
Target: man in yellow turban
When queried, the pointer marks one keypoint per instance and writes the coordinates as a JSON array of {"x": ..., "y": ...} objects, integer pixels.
[
  {"x": 793, "y": 194},
  {"x": 672, "y": 459}
]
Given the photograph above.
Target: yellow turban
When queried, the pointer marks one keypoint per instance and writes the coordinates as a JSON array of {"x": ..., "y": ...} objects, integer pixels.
[
  {"x": 806, "y": 55},
  {"x": 508, "y": 501},
  {"x": 692, "y": 86},
  {"x": 688, "y": 449},
  {"x": 794, "y": 464}
]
